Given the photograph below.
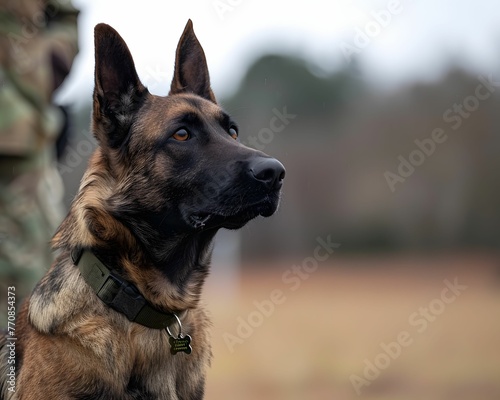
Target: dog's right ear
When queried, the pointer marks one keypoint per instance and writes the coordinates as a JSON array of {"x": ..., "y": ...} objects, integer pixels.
[{"x": 118, "y": 92}]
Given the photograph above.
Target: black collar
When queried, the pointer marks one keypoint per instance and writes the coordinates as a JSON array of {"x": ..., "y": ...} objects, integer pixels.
[{"x": 119, "y": 294}]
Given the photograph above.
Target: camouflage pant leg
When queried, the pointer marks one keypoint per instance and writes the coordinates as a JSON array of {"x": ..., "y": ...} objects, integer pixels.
[{"x": 29, "y": 214}]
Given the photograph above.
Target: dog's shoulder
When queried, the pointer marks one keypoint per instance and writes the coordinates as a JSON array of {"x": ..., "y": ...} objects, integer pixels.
[{"x": 59, "y": 297}]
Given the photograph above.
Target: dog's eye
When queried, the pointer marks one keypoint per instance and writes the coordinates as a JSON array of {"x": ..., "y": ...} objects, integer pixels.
[
  {"x": 181, "y": 135},
  {"x": 233, "y": 131}
]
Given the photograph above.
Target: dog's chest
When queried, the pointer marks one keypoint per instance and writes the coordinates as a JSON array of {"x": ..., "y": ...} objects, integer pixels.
[{"x": 158, "y": 374}]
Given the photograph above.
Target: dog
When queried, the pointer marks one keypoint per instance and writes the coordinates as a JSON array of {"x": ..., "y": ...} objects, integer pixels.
[{"x": 118, "y": 314}]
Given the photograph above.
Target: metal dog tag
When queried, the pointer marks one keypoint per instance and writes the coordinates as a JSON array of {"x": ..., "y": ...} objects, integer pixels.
[{"x": 180, "y": 344}]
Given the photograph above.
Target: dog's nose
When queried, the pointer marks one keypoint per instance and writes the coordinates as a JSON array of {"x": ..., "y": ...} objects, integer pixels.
[{"x": 269, "y": 171}]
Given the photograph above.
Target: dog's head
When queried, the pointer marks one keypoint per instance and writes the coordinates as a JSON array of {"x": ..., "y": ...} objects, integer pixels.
[{"x": 176, "y": 162}]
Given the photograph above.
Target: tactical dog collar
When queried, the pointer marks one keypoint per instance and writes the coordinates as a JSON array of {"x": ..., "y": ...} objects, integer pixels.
[{"x": 119, "y": 294}]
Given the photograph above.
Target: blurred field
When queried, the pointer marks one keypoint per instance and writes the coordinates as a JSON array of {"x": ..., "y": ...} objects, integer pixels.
[{"x": 322, "y": 333}]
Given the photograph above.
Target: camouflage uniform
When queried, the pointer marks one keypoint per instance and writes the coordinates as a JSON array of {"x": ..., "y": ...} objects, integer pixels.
[{"x": 38, "y": 42}]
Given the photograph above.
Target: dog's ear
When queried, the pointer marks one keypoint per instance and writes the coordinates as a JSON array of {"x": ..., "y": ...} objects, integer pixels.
[
  {"x": 118, "y": 92},
  {"x": 191, "y": 71}
]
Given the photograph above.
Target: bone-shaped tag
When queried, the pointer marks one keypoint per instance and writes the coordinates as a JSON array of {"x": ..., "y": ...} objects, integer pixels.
[{"x": 181, "y": 343}]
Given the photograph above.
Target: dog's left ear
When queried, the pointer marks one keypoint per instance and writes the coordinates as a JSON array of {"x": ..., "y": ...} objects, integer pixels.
[{"x": 191, "y": 71}]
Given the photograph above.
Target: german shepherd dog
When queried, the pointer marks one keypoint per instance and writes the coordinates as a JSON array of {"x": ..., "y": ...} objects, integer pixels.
[{"x": 118, "y": 314}]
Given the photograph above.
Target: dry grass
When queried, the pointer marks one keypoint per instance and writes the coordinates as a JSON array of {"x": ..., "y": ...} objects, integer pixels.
[{"x": 322, "y": 333}]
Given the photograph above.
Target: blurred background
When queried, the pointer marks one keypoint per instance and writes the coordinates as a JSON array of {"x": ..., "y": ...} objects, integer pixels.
[{"x": 386, "y": 117}]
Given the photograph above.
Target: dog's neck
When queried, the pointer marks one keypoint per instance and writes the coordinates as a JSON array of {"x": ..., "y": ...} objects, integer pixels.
[
  {"x": 119, "y": 294},
  {"x": 168, "y": 268}
]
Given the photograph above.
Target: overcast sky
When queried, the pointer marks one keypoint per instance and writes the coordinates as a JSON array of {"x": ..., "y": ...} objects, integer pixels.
[{"x": 396, "y": 41}]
